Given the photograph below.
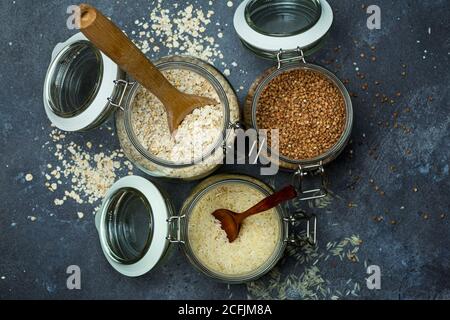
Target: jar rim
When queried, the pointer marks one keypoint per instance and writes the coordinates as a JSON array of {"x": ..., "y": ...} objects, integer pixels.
[
  {"x": 340, "y": 144},
  {"x": 192, "y": 64},
  {"x": 278, "y": 250}
]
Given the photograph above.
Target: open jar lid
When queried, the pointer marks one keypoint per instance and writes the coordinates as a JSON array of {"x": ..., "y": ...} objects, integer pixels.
[
  {"x": 79, "y": 81},
  {"x": 133, "y": 227},
  {"x": 268, "y": 26}
]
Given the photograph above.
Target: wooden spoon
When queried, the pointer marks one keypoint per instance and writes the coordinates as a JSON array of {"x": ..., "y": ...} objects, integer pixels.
[
  {"x": 231, "y": 221},
  {"x": 107, "y": 37}
]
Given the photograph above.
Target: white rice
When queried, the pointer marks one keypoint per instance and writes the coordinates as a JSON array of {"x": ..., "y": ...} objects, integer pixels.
[{"x": 258, "y": 237}]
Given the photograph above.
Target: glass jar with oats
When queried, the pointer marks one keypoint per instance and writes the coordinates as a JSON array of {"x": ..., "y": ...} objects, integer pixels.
[
  {"x": 305, "y": 108},
  {"x": 197, "y": 147},
  {"x": 83, "y": 87}
]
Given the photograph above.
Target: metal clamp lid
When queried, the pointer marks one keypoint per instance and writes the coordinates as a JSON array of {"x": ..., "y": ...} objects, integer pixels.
[
  {"x": 97, "y": 104},
  {"x": 267, "y": 43},
  {"x": 175, "y": 229},
  {"x": 122, "y": 87},
  {"x": 158, "y": 242}
]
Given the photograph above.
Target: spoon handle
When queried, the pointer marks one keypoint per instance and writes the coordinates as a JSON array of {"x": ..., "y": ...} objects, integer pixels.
[
  {"x": 285, "y": 194},
  {"x": 107, "y": 37}
]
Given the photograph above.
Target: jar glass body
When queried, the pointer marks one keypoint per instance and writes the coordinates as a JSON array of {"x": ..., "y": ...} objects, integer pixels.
[
  {"x": 189, "y": 206},
  {"x": 251, "y": 106},
  {"x": 199, "y": 168}
]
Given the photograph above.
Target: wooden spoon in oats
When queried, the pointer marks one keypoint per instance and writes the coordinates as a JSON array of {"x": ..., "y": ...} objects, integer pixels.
[{"x": 108, "y": 38}]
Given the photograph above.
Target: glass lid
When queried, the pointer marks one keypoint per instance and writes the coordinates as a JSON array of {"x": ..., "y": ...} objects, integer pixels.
[
  {"x": 268, "y": 26},
  {"x": 129, "y": 225},
  {"x": 79, "y": 81},
  {"x": 282, "y": 17},
  {"x": 132, "y": 226},
  {"x": 76, "y": 79}
]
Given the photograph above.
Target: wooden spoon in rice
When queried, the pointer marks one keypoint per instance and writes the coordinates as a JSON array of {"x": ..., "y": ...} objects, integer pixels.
[{"x": 231, "y": 221}]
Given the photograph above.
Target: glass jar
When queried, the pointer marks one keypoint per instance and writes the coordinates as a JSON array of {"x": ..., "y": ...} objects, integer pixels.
[
  {"x": 213, "y": 158},
  {"x": 251, "y": 106},
  {"x": 138, "y": 230},
  {"x": 284, "y": 222},
  {"x": 288, "y": 45},
  {"x": 83, "y": 87}
]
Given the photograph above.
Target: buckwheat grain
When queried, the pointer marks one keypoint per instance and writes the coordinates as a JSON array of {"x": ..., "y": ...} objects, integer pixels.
[{"x": 307, "y": 108}]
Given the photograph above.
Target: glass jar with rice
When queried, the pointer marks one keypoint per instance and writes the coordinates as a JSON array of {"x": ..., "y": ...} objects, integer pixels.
[
  {"x": 262, "y": 238},
  {"x": 138, "y": 228}
]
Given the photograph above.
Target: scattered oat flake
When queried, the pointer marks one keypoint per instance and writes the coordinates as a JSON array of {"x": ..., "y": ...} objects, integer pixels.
[
  {"x": 80, "y": 215},
  {"x": 180, "y": 31},
  {"x": 78, "y": 173},
  {"x": 29, "y": 177}
]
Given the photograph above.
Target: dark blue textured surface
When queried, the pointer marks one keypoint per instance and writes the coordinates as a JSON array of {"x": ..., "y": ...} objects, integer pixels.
[{"x": 413, "y": 252}]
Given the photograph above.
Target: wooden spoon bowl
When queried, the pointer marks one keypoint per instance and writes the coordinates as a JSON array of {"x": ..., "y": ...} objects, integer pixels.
[{"x": 231, "y": 222}]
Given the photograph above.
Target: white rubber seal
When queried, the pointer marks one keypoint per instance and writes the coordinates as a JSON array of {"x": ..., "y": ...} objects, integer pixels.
[
  {"x": 273, "y": 44},
  {"x": 159, "y": 243},
  {"x": 100, "y": 103}
]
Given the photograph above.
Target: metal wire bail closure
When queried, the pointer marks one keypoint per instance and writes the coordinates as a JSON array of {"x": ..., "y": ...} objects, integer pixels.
[
  {"x": 232, "y": 126},
  {"x": 175, "y": 229},
  {"x": 311, "y": 228},
  {"x": 122, "y": 85},
  {"x": 312, "y": 170},
  {"x": 299, "y": 57}
]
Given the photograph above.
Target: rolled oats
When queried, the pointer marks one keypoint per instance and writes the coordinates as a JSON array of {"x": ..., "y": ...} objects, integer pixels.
[{"x": 200, "y": 130}]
